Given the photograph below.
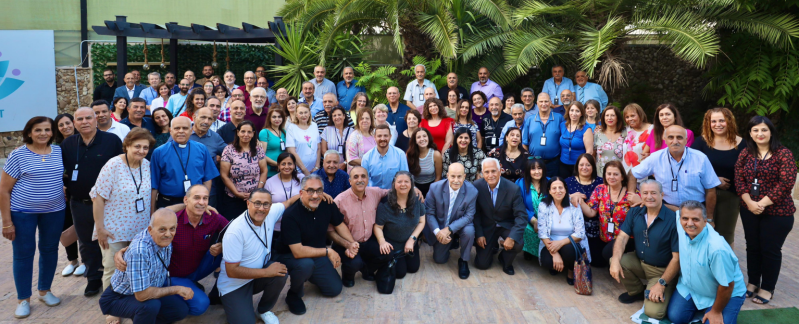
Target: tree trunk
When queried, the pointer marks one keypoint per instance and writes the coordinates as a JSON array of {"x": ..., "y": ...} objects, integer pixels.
[{"x": 416, "y": 44}]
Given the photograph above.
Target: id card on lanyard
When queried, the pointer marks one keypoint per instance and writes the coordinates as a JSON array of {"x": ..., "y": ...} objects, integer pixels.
[
  {"x": 139, "y": 202},
  {"x": 674, "y": 183},
  {"x": 186, "y": 181},
  {"x": 77, "y": 158}
]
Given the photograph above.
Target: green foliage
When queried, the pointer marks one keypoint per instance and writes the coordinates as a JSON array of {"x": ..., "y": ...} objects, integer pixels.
[
  {"x": 299, "y": 52},
  {"x": 347, "y": 51},
  {"x": 376, "y": 81},
  {"x": 431, "y": 66},
  {"x": 190, "y": 57}
]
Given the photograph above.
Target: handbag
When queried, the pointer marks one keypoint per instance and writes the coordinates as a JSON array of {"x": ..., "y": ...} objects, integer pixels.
[
  {"x": 582, "y": 271},
  {"x": 386, "y": 276},
  {"x": 69, "y": 236}
]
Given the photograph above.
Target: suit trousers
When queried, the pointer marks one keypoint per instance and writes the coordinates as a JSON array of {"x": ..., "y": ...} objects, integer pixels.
[
  {"x": 240, "y": 299},
  {"x": 318, "y": 271},
  {"x": 466, "y": 237},
  {"x": 484, "y": 257},
  {"x": 634, "y": 270},
  {"x": 83, "y": 220}
]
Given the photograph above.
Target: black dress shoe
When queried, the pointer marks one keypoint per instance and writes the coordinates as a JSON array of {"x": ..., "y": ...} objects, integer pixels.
[
  {"x": 93, "y": 288},
  {"x": 508, "y": 269},
  {"x": 463, "y": 269},
  {"x": 368, "y": 275},
  {"x": 625, "y": 298},
  {"x": 295, "y": 303},
  {"x": 348, "y": 282},
  {"x": 553, "y": 272}
]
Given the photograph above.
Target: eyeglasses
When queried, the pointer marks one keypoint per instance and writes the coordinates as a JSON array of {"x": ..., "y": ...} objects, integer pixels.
[
  {"x": 184, "y": 85},
  {"x": 258, "y": 204},
  {"x": 314, "y": 191}
]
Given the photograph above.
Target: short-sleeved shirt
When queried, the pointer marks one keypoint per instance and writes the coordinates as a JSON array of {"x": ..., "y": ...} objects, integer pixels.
[
  {"x": 121, "y": 186},
  {"x": 244, "y": 168},
  {"x": 258, "y": 121},
  {"x": 415, "y": 92},
  {"x": 661, "y": 234},
  {"x": 147, "y": 266},
  {"x": 493, "y": 129},
  {"x": 397, "y": 226},
  {"x": 212, "y": 141},
  {"x": 320, "y": 89},
  {"x": 118, "y": 129},
  {"x": 190, "y": 244},
  {"x": 169, "y": 162},
  {"x": 491, "y": 89},
  {"x": 554, "y": 90},
  {"x": 694, "y": 174},
  {"x": 306, "y": 227},
  {"x": 346, "y": 93},
  {"x": 316, "y": 105},
  {"x": 176, "y": 103},
  {"x": 282, "y": 191},
  {"x": 37, "y": 189},
  {"x": 533, "y": 130},
  {"x": 227, "y": 132},
  {"x": 273, "y": 147},
  {"x": 444, "y": 92},
  {"x": 89, "y": 160},
  {"x": 398, "y": 118},
  {"x": 337, "y": 140},
  {"x": 381, "y": 168},
  {"x": 244, "y": 244},
  {"x": 341, "y": 182},
  {"x": 609, "y": 212},
  {"x": 359, "y": 213},
  {"x": 305, "y": 142}
]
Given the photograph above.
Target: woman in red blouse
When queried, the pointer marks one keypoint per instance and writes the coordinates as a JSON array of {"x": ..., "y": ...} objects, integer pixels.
[
  {"x": 764, "y": 174},
  {"x": 610, "y": 203},
  {"x": 436, "y": 121}
]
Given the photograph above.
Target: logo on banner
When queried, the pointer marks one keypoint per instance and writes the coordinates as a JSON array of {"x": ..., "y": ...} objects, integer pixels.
[{"x": 8, "y": 85}]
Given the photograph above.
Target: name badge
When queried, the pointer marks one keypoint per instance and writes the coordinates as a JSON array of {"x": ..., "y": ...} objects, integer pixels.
[
  {"x": 493, "y": 141},
  {"x": 282, "y": 146},
  {"x": 340, "y": 149},
  {"x": 556, "y": 101},
  {"x": 543, "y": 141},
  {"x": 421, "y": 96},
  {"x": 186, "y": 185},
  {"x": 75, "y": 175},
  {"x": 674, "y": 185},
  {"x": 611, "y": 227},
  {"x": 139, "y": 205},
  {"x": 755, "y": 189}
]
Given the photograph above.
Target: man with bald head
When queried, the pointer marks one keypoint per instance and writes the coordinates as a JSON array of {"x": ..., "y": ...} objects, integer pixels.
[
  {"x": 192, "y": 78},
  {"x": 94, "y": 148},
  {"x": 264, "y": 83},
  {"x": 237, "y": 111},
  {"x": 584, "y": 91},
  {"x": 179, "y": 164},
  {"x": 347, "y": 89},
  {"x": 484, "y": 84},
  {"x": 281, "y": 96},
  {"x": 397, "y": 110},
  {"x": 493, "y": 123},
  {"x": 235, "y": 95},
  {"x": 143, "y": 292},
  {"x": 177, "y": 101},
  {"x": 450, "y": 205},
  {"x": 128, "y": 91},
  {"x": 566, "y": 99},
  {"x": 684, "y": 173},
  {"x": 321, "y": 84},
  {"x": 541, "y": 134},
  {"x": 452, "y": 84}
]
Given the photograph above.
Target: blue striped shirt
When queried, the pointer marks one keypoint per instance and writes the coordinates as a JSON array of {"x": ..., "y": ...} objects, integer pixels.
[
  {"x": 40, "y": 186},
  {"x": 147, "y": 266},
  {"x": 694, "y": 174}
]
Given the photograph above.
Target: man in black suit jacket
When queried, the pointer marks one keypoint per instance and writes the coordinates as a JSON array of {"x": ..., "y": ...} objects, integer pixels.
[{"x": 500, "y": 214}]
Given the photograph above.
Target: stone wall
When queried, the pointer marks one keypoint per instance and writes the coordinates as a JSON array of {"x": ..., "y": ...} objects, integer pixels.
[{"x": 67, "y": 99}]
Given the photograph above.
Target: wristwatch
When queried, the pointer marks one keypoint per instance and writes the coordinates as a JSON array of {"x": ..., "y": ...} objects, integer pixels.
[
  {"x": 413, "y": 237},
  {"x": 662, "y": 282}
]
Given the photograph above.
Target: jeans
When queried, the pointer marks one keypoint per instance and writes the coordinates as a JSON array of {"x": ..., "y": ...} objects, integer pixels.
[
  {"x": 682, "y": 310},
  {"x": 24, "y": 247},
  {"x": 765, "y": 234},
  {"x": 200, "y": 302},
  {"x": 167, "y": 309}
]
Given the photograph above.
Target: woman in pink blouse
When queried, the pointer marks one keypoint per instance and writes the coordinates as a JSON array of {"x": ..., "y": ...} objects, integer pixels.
[
  {"x": 363, "y": 139},
  {"x": 665, "y": 116},
  {"x": 242, "y": 168}
]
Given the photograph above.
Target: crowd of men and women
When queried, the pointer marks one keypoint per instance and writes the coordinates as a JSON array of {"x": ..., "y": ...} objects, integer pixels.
[{"x": 172, "y": 183}]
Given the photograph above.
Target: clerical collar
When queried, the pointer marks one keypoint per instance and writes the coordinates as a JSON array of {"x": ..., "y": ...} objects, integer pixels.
[{"x": 182, "y": 145}]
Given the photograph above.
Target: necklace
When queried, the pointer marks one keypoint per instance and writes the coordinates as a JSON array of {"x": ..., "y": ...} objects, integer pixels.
[{"x": 42, "y": 155}]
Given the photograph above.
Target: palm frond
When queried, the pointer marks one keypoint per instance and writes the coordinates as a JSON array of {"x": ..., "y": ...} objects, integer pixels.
[
  {"x": 612, "y": 72},
  {"x": 440, "y": 26},
  {"x": 530, "y": 9},
  {"x": 292, "y": 9},
  {"x": 300, "y": 55},
  {"x": 530, "y": 48},
  {"x": 498, "y": 11},
  {"x": 778, "y": 30},
  {"x": 691, "y": 38},
  {"x": 483, "y": 41},
  {"x": 595, "y": 42}
]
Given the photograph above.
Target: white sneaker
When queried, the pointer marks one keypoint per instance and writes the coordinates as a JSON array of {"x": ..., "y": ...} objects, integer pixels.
[
  {"x": 68, "y": 270},
  {"x": 49, "y": 299},
  {"x": 80, "y": 270},
  {"x": 269, "y": 318},
  {"x": 23, "y": 309}
]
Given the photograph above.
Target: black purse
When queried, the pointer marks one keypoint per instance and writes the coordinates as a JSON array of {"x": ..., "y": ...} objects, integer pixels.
[{"x": 386, "y": 276}]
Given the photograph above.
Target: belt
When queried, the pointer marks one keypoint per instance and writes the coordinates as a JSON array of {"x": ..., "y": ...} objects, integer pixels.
[
  {"x": 170, "y": 198},
  {"x": 83, "y": 201}
]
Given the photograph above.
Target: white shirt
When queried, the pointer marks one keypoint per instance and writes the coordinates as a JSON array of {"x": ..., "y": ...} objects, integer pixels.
[
  {"x": 216, "y": 125},
  {"x": 242, "y": 246},
  {"x": 415, "y": 92},
  {"x": 305, "y": 142},
  {"x": 453, "y": 194},
  {"x": 118, "y": 129},
  {"x": 157, "y": 103},
  {"x": 130, "y": 92}
]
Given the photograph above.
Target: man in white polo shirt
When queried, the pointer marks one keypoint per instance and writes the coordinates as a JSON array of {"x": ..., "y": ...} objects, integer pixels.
[{"x": 106, "y": 123}]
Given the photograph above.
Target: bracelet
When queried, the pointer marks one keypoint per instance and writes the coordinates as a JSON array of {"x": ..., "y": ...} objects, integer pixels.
[
  {"x": 326, "y": 251},
  {"x": 9, "y": 226}
]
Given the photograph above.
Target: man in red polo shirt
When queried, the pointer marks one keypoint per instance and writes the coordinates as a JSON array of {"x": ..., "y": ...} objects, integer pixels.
[{"x": 195, "y": 255}]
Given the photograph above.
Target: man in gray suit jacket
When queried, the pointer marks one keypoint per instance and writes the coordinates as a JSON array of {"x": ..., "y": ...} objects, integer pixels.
[
  {"x": 500, "y": 214},
  {"x": 450, "y": 206}
]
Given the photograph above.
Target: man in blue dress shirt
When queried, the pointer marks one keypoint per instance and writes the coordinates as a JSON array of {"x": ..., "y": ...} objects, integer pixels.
[
  {"x": 150, "y": 93},
  {"x": 347, "y": 88},
  {"x": 321, "y": 84},
  {"x": 541, "y": 134},
  {"x": 309, "y": 98},
  {"x": 556, "y": 84},
  {"x": 178, "y": 165},
  {"x": 712, "y": 281},
  {"x": 584, "y": 91},
  {"x": 414, "y": 93},
  {"x": 384, "y": 160}
]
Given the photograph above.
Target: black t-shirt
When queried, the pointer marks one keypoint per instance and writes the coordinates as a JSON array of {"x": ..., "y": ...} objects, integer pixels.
[
  {"x": 89, "y": 160},
  {"x": 228, "y": 132},
  {"x": 444, "y": 91},
  {"x": 105, "y": 92},
  {"x": 300, "y": 225},
  {"x": 723, "y": 162}
]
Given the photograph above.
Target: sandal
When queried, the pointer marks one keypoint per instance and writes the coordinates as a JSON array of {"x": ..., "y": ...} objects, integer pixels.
[
  {"x": 751, "y": 293},
  {"x": 762, "y": 301}
]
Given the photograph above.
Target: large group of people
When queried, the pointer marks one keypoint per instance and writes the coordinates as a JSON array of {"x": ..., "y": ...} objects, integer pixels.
[{"x": 170, "y": 184}]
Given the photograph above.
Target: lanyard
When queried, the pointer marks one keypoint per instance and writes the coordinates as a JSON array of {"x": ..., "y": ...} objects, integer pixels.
[
  {"x": 180, "y": 160},
  {"x": 684, "y": 157},
  {"x": 544, "y": 127},
  {"x": 572, "y": 137},
  {"x": 77, "y": 158},
  {"x": 291, "y": 188},
  {"x": 612, "y": 204},
  {"x": 141, "y": 178},
  {"x": 169, "y": 280},
  {"x": 762, "y": 160},
  {"x": 249, "y": 222}
]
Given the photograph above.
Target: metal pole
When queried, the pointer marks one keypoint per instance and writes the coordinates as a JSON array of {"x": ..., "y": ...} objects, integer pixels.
[
  {"x": 173, "y": 57},
  {"x": 84, "y": 32},
  {"x": 122, "y": 59}
]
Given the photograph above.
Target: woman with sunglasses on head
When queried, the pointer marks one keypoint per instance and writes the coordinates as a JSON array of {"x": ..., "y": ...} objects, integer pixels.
[{"x": 511, "y": 155}]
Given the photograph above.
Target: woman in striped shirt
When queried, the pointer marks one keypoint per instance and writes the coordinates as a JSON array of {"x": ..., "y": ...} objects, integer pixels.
[{"x": 31, "y": 196}]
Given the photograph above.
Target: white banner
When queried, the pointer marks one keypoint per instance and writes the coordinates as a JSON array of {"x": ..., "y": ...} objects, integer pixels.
[{"x": 27, "y": 77}]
